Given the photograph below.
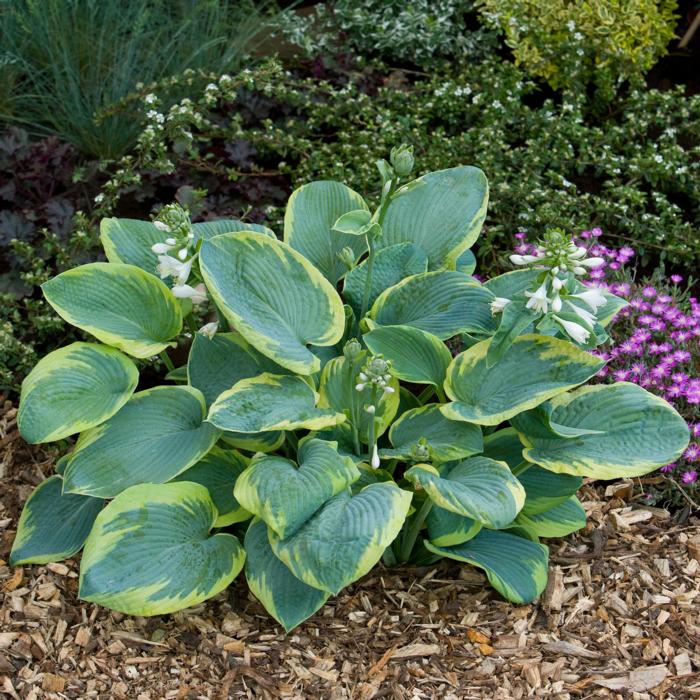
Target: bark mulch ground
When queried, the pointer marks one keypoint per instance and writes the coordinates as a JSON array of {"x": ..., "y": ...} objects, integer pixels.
[{"x": 620, "y": 619}]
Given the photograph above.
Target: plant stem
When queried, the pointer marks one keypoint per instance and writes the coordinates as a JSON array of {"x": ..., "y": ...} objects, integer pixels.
[
  {"x": 368, "y": 279},
  {"x": 522, "y": 467},
  {"x": 372, "y": 249},
  {"x": 409, "y": 539},
  {"x": 223, "y": 323},
  {"x": 441, "y": 394},
  {"x": 167, "y": 361},
  {"x": 191, "y": 324},
  {"x": 426, "y": 393}
]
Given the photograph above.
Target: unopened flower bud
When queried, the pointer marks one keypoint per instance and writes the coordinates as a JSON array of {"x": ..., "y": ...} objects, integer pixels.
[
  {"x": 347, "y": 257},
  {"x": 375, "y": 457},
  {"x": 352, "y": 349},
  {"x": 402, "y": 159},
  {"x": 371, "y": 409}
]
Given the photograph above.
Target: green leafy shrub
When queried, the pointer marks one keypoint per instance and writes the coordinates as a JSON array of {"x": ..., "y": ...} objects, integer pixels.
[
  {"x": 326, "y": 429},
  {"x": 68, "y": 60},
  {"x": 635, "y": 173},
  {"x": 571, "y": 44},
  {"x": 423, "y": 32}
]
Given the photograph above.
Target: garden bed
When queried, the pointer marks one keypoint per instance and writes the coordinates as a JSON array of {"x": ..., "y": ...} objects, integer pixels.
[{"x": 618, "y": 619}]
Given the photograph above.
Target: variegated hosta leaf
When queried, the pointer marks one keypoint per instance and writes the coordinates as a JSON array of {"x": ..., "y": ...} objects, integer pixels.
[
  {"x": 216, "y": 364},
  {"x": 218, "y": 472},
  {"x": 391, "y": 265},
  {"x": 270, "y": 402},
  {"x": 443, "y": 303},
  {"x": 151, "y": 551},
  {"x": 535, "y": 368},
  {"x": 510, "y": 284},
  {"x": 285, "y": 495},
  {"x": 255, "y": 442},
  {"x": 479, "y": 488},
  {"x": 273, "y": 296},
  {"x": 345, "y": 538},
  {"x": 289, "y": 600},
  {"x": 559, "y": 521},
  {"x": 416, "y": 356},
  {"x": 337, "y": 391},
  {"x": 73, "y": 389},
  {"x": 204, "y": 230},
  {"x": 466, "y": 262},
  {"x": 445, "y": 439},
  {"x": 156, "y": 435},
  {"x": 53, "y": 525},
  {"x": 130, "y": 240},
  {"x": 545, "y": 490},
  {"x": 121, "y": 305},
  {"x": 311, "y": 212},
  {"x": 640, "y": 432},
  {"x": 442, "y": 212},
  {"x": 446, "y": 529},
  {"x": 515, "y": 567},
  {"x": 504, "y": 446}
]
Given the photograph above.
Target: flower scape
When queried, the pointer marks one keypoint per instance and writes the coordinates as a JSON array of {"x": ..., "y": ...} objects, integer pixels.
[{"x": 321, "y": 422}]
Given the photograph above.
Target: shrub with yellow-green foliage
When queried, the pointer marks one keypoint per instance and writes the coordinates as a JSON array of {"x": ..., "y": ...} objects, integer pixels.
[{"x": 570, "y": 44}]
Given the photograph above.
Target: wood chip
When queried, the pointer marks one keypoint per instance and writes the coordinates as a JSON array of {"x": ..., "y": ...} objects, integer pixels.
[
  {"x": 639, "y": 680},
  {"x": 570, "y": 649},
  {"x": 416, "y": 649}
]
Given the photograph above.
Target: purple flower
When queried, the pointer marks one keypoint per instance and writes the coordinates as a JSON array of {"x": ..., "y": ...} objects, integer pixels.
[
  {"x": 665, "y": 298},
  {"x": 679, "y": 378},
  {"x": 621, "y": 375},
  {"x": 597, "y": 232},
  {"x": 689, "y": 477},
  {"x": 676, "y": 279},
  {"x": 660, "y": 371},
  {"x": 658, "y": 308},
  {"x": 657, "y": 326},
  {"x": 638, "y": 368},
  {"x": 646, "y": 319},
  {"x": 585, "y": 234},
  {"x": 614, "y": 265},
  {"x": 520, "y": 235},
  {"x": 692, "y": 453},
  {"x": 668, "y": 468},
  {"x": 649, "y": 292},
  {"x": 695, "y": 429}
]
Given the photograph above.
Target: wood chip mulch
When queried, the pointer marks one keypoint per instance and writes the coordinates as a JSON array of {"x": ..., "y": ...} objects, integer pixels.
[{"x": 620, "y": 619}]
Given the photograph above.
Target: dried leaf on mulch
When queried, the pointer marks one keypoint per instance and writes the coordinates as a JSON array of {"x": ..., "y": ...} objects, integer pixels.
[{"x": 620, "y": 619}]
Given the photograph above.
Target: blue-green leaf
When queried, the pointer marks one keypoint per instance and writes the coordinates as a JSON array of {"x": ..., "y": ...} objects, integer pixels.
[
  {"x": 53, "y": 525},
  {"x": 151, "y": 551}
]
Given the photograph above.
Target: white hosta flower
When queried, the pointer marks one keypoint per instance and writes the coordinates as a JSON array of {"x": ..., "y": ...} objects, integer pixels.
[
  {"x": 169, "y": 266},
  {"x": 523, "y": 259},
  {"x": 498, "y": 304},
  {"x": 375, "y": 457},
  {"x": 182, "y": 254},
  {"x": 556, "y": 304},
  {"x": 592, "y": 296},
  {"x": 209, "y": 329},
  {"x": 574, "y": 330},
  {"x": 161, "y": 248},
  {"x": 557, "y": 284},
  {"x": 161, "y": 226},
  {"x": 538, "y": 300},
  {"x": 592, "y": 262},
  {"x": 586, "y": 315},
  {"x": 198, "y": 294}
]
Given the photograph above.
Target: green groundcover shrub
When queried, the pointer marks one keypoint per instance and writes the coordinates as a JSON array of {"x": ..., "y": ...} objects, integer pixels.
[
  {"x": 635, "y": 172},
  {"x": 322, "y": 423},
  {"x": 573, "y": 44}
]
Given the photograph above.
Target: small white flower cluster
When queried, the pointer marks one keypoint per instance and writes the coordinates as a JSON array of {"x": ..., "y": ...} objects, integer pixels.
[
  {"x": 558, "y": 255},
  {"x": 375, "y": 374},
  {"x": 173, "y": 220}
]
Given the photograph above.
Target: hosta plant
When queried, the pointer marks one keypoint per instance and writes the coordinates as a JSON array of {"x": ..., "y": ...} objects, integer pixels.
[{"x": 321, "y": 423}]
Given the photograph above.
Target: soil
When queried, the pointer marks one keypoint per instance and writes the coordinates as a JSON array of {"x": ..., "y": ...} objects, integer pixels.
[{"x": 619, "y": 619}]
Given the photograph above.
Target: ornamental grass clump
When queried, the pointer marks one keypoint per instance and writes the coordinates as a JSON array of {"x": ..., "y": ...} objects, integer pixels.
[{"x": 321, "y": 424}]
